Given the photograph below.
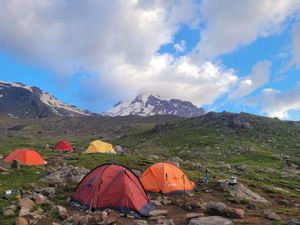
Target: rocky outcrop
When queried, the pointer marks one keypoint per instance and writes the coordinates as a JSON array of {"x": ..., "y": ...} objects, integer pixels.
[
  {"x": 268, "y": 214},
  {"x": 241, "y": 192},
  {"x": 221, "y": 209},
  {"x": 65, "y": 174}
]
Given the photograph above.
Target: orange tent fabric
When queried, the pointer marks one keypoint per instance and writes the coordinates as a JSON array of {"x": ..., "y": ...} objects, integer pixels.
[
  {"x": 166, "y": 178},
  {"x": 25, "y": 157}
]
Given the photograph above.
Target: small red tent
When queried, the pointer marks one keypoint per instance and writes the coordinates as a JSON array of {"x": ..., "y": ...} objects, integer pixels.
[
  {"x": 115, "y": 187},
  {"x": 25, "y": 157},
  {"x": 63, "y": 145}
]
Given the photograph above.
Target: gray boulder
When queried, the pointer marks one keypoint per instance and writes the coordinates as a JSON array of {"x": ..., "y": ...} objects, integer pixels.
[
  {"x": 210, "y": 220},
  {"x": 66, "y": 174},
  {"x": 293, "y": 222},
  {"x": 216, "y": 208},
  {"x": 268, "y": 214},
  {"x": 241, "y": 192}
]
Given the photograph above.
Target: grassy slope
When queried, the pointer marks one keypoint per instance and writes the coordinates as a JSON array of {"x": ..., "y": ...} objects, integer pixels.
[{"x": 209, "y": 140}]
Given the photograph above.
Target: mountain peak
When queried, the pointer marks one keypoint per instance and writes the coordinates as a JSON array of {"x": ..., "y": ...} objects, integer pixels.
[
  {"x": 22, "y": 100},
  {"x": 148, "y": 104}
]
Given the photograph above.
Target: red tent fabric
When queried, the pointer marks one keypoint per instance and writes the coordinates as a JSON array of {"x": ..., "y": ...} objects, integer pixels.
[
  {"x": 115, "y": 187},
  {"x": 25, "y": 157},
  {"x": 63, "y": 145}
]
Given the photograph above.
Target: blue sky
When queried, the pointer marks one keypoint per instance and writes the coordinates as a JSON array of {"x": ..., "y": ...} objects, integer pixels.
[{"x": 97, "y": 54}]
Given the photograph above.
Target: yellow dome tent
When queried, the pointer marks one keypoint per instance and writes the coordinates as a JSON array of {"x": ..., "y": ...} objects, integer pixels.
[{"x": 100, "y": 147}]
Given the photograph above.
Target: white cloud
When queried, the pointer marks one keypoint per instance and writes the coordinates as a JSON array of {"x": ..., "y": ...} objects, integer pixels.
[
  {"x": 116, "y": 41},
  {"x": 239, "y": 23},
  {"x": 180, "y": 47},
  {"x": 171, "y": 78},
  {"x": 278, "y": 104},
  {"x": 259, "y": 76},
  {"x": 295, "y": 60}
]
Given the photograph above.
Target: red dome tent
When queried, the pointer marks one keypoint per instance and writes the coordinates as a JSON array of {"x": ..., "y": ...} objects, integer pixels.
[
  {"x": 26, "y": 157},
  {"x": 115, "y": 187},
  {"x": 63, "y": 145}
]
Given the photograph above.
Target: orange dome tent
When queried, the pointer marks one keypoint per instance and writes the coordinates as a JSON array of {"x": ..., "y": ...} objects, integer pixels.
[
  {"x": 26, "y": 157},
  {"x": 167, "y": 178},
  {"x": 63, "y": 146}
]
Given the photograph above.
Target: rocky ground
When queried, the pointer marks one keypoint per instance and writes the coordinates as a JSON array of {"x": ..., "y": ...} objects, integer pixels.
[
  {"x": 262, "y": 153},
  {"x": 47, "y": 201}
]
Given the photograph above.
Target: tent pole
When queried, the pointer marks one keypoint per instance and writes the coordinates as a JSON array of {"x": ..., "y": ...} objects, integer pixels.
[{"x": 184, "y": 190}]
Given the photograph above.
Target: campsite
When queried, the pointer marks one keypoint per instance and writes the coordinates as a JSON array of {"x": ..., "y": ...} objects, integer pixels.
[
  {"x": 150, "y": 112},
  {"x": 55, "y": 188}
]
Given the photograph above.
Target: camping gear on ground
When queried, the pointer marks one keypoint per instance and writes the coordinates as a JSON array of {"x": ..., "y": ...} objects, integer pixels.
[
  {"x": 63, "y": 145},
  {"x": 166, "y": 177},
  {"x": 115, "y": 187},
  {"x": 100, "y": 147},
  {"x": 206, "y": 176},
  {"x": 202, "y": 181},
  {"x": 232, "y": 180},
  {"x": 25, "y": 157}
]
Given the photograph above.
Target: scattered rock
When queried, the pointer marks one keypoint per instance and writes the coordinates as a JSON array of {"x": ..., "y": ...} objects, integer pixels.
[
  {"x": 118, "y": 149},
  {"x": 276, "y": 189},
  {"x": 152, "y": 157},
  {"x": 156, "y": 217},
  {"x": 139, "y": 222},
  {"x": 2, "y": 169},
  {"x": 216, "y": 208},
  {"x": 235, "y": 213},
  {"x": 61, "y": 211},
  {"x": 269, "y": 170},
  {"x": 26, "y": 203},
  {"x": 21, "y": 221},
  {"x": 193, "y": 215},
  {"x": 40, "y": 199},
  {"x": 47, "y": 191},
  {"x": 240, "y": 192},
  {"x": 268, "y": 214},
  {"x": 66, "y": 174},
  {"x": 165, "y": 221},
  {"x": 210, "y": 220},
  {"x": 112, "y": 217},
  {"x": 85, "y": 220},
  {"x": 166, "y": 202},
  {"x": 240, "y": 167},
  {"x": 8, "y": 212},
  {"x": 156, "y": 202},
  {"x": 251, "y": 206},
  {"x": 293, "y": 222},
  {"x": 24, "y": 211},
  {"x": 158, "y": 212}
]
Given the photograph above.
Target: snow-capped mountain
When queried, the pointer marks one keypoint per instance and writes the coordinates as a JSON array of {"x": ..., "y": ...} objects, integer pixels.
[
  {"x": 149, "y": 105},
  {"x": 20, "y": 100}
]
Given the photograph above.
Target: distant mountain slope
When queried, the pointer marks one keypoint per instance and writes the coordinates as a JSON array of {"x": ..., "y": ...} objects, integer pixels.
[
  {"x": 220, "y": 134},
  {"x": 148, "y": 105},
  {"x": 20, "y": 100}
]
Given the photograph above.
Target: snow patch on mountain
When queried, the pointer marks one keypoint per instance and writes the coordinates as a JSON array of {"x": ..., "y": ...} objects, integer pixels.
[
  {"x": 57, "y": 107},
  {"x": 149, "y": 105}
]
